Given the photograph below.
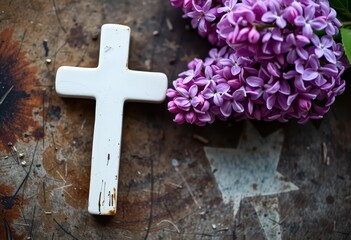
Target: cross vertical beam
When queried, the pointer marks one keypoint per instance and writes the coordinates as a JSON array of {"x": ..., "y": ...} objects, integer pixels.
[{"x": 110, "y": 84}]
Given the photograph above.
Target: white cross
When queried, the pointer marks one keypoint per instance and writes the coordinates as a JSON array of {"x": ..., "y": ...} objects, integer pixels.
[{"x": 111, "y": 84}]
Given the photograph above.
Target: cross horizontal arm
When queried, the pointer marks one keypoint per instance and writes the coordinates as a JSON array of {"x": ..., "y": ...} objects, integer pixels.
[
  {"x": 76, "y": 82},
  {"x": 147, "y": 86}
]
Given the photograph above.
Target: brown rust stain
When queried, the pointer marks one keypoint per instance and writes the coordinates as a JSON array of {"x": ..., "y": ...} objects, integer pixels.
[
  {"x": 76, "y": 179},
  {"x": 114, "y": 197},
  {"x": 68, "y": 158},
  {"x": 18, "y": 96},
  {"x": 77, "y": 38},
  {"x": 112, "y": 212},
  {"x": 10, "y": 210}
]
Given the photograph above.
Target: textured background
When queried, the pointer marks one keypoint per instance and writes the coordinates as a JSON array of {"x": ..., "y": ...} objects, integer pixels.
[{"x": 45, "y": 141}]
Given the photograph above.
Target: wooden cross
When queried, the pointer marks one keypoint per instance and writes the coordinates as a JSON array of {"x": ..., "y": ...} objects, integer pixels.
[{"x": 110, "y": 84}]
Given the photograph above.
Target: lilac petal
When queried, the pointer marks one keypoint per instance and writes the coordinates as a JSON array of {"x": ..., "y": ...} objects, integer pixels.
[
  {"x": 207, "y": 94},
  {"x": 234, "y": 83},
  {"x": 266, "y": 49},
  {"x": 182, "y": 103},
  {"x": 254, "y": 81},
  {"x": 253, "y": 35},
  {"x": 282, "y": 100},
  {"x": 193, "y": 91},
  {"x": 330, "y": 56},
  {"x": 339, "y": 90},
  {"x": 250, "y": 107},
  {"x": 320, "y": 80},
  {"x": 201, "y": 81},
  {"x": 291, "y": 57},
  {"x": 310, "y": 95},
  {"x": 217, "y": 99},
  {"x": 270, "y": 101},
  {"x": 254, "y": 94},
  {"x": 327, "y": 41},
  {"x": 302, "y": 40},
  {"x": 302, "y": 53},
  {"x": 314, "y": 62},
  {"x": 291, "y": 98},
  {"x": 285, "y": 88},
  {"x": 202, "y": 27},
  {"x": 329, "y": 70},
  {"x": 225, "y": 62},
  {"x": 307, "y": 30},
  {"x": 235, "y": 70},
  {"x": 257, "y": 114},
  {"x": 309, "y": 74},
  {"x": 309, "y": 11},
  {"x": 247, "y": 14},
  {"x": 190, "y": 117},
  {"x": 269, "y": 17},
  {"x": 277, "y": 47},
  {"x": 290, "y": 39},
  {"x": 243, "y": 34},
  {"x": 277, "y": 35},
  {"x": 195, "y": 101},
  {"x": 273, "y": 70},
  {"x": 171, "y": 93},
  {"x": 187, "y": 79},
  {"x": 194, "y": 15},
  {"x": 289, "y": 75},
  {"x": 222, "y": 51},
  {"x": 298, "y": 67},
  {"x": 319, "y": 52},
  {"x": 207, "y": 5},
  {"x": 198, "y": 68},
  {"x": 210, "y": 17},
  {"x": 299, "y": 84},
  {"x": 208, "y": 71},
  {"x": 238, "y": 107},
  {"x": 300, "y": 21},
  {"x": 172, "y": 107},
  {"x": 206, "y": 106},
  {"x": 223, "y": 87},
  {"x": 226, "y": 109},
  {"x": 266, "y": 37},
  {"x": 318, "y": 23},
  {"x": 259, "y": 8},
  {"x": 215, "y": 110},
  {"x": 179, "y": 118},
  {"x": 281, "y": 22},
  {"x": 239, "y": 94},
  {"x": 206, "y": 117},
  {"x": 183, "y": 92},
  {"x": 315, "y": 40},
  {"x": 273, "y": 89},
  {"x": 213, "y": 53}
]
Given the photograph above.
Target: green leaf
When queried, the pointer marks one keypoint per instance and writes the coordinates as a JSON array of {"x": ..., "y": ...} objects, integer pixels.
[
  {"x": 346, "y": 41},
  {"x": 343, "y": 9}
]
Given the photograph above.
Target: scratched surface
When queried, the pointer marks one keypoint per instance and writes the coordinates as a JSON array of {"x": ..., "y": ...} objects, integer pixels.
[{"x": 168, "y": 187}]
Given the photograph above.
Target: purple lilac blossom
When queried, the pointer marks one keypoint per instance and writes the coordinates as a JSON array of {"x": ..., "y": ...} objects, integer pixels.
[{"x": 279, "y": 61}]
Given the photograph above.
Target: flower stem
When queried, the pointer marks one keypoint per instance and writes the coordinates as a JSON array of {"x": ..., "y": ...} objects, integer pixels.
[
  {"x": 346, "y": 24},
  {"x": 261, "y": 27}
]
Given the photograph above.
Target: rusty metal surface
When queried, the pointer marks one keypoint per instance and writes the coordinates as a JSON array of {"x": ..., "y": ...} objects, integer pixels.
[{"x": 45, "y": 141}]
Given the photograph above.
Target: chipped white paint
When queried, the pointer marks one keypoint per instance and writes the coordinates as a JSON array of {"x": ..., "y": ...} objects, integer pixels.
[
  {"x": 111, "y": 84},
  {"x": 249, "y": 171}
]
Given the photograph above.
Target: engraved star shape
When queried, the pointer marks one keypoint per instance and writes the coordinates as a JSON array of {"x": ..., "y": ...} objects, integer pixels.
[{"x": 250, "y": 170}]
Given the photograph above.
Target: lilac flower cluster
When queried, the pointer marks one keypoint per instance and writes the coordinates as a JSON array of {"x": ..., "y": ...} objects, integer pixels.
[{"x": 279, "y": 61}]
